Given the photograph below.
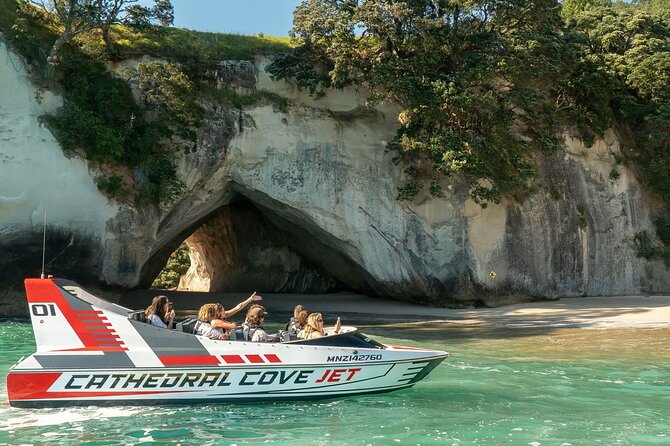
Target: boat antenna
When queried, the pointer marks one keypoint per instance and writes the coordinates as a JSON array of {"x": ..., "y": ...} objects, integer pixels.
[{"x": 44, "y": 243}]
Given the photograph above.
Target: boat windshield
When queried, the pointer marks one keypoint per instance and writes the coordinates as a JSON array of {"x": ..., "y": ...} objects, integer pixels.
[{"x": 350, "y": 339}]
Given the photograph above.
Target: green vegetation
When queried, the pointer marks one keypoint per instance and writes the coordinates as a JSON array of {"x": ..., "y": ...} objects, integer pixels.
[
  {"x": 476, "y": 81},
  {"x": 134, "y": 138},
  {"x": 72, "y": 18},
  {"x": 244, "y": 100},
  {"x": 175, "y": 268},
  {"x": 663, "y": 230},
  {"x": 486, "y": 83},
  {"x": 198, "y": 50},
  {"x": 581, "y": 216},
  {"x": 113, "y": 185},
  {"x": 487, "y": 86},
  {"x": 650, "y": 250}
]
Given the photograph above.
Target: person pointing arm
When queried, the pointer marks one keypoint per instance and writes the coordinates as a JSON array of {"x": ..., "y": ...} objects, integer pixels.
[{"x": 237, "y": 308}]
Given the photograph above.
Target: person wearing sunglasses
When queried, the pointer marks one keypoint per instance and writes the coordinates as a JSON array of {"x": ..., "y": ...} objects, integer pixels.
[
  {"x": 314, "y": 327},
  {"x": 160, "y": 313}
]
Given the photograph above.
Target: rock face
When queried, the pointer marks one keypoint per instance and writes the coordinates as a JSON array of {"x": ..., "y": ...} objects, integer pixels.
[
  {"x": 36, "y": 178},
  {"x": 302, "y": 199},
  {"x": 238, "y": 249}
]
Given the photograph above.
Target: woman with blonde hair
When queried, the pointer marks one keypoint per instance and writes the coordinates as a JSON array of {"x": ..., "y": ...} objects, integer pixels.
[
  {"x": 204, "y": 327},
  {"x": 314, "y": 327},
  {"x": 212, "y": 318}
]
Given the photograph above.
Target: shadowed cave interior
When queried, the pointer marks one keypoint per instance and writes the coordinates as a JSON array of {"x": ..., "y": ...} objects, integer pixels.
[{"x": 267, "y": 247}]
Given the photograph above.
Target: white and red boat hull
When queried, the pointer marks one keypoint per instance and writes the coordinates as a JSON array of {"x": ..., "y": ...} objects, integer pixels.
[{"x": 90, "y": 353}]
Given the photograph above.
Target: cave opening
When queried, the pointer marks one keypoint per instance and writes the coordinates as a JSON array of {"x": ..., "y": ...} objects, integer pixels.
[{"x": 261, "y": 246}]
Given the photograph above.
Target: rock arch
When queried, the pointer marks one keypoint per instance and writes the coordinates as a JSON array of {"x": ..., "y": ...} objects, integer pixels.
[{"x": 257, "y": 243}]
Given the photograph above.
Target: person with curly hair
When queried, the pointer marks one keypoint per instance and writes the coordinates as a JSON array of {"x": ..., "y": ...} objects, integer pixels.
[
  {"x": 212, "y": 321},
  {"x": 205, "y": 326}
]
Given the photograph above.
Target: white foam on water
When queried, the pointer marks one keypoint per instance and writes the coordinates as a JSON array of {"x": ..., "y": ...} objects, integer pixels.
[{"x": 23, "y": 419}]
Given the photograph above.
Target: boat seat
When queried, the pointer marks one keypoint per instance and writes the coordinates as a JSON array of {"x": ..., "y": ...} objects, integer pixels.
[
  {"x": 137, "y": 315},
  {"x": 289, "y": 336},
  {"x": 237, "y": 335},
  {"x": 187, "y": 325}
]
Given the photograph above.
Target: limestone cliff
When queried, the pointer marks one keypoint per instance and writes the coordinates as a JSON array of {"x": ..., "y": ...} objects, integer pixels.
[{"x": 302, "y": 199}]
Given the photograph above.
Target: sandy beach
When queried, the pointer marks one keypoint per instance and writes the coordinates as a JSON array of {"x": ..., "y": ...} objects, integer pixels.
[{"x": 585, "y": 312}]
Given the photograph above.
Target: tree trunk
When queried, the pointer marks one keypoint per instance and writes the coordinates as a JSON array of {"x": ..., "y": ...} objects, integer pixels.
[
  {"x": 55, "y": 49},
  {"x": 109, "y": 43}
]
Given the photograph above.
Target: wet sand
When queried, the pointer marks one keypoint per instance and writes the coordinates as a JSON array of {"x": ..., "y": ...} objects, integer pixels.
[{"x": 578, "y": 312}]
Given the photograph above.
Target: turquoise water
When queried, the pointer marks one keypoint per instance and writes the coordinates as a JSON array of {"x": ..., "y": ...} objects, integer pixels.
[{"x": 518, "y": 387}]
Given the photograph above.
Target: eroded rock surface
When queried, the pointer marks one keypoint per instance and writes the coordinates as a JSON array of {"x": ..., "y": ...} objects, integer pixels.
[{"x": 301, "y": 198}]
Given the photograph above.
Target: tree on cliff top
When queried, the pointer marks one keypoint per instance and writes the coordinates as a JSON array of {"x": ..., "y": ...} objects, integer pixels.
[
  {"x": 486, "y": 84},
  {"x": 472, "y": 76},
  {"x": 75, "y": 17},
  {"x": 78, "y": 16}
]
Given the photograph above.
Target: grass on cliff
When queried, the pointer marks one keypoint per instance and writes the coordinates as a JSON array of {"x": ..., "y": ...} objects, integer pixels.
[
  {"x": 179, "y": 42},
  {"x": 175, "y": 44}
]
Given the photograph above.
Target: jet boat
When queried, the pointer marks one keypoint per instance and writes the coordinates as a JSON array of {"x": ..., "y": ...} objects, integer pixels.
[{"x": 94, "y": 352}]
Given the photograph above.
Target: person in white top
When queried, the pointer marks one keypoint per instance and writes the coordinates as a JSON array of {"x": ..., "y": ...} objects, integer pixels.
[
  {"x": 160, "y": 313},
  {"x": 212, "y": 318},
  {"x": 207, "y": 314},
  {"x": 253, "y": 324}
]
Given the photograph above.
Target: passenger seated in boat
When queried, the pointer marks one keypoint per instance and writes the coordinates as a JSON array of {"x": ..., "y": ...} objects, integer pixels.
[
  {"x": 253, "y": 325},
  {"x": 314, "y": 327},
  {"x": 207, "y": 317},
  {"x": 298, "y": 321},
  {"x": 212, "y": 321},
  {"x": 160, "y": 313}
]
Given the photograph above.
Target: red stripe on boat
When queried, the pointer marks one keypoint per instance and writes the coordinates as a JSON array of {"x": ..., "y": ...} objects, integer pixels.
[
  {"x": 83, "y": 322},
  {"x": 22, "y": 386},
  {"x": 188, "y": 360},
  {"x": 232, "y": 359},
  {"x": 35, "y": 386},
  {"x": 273, "y": 358},
  {"x": 255, "y": 359}
]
